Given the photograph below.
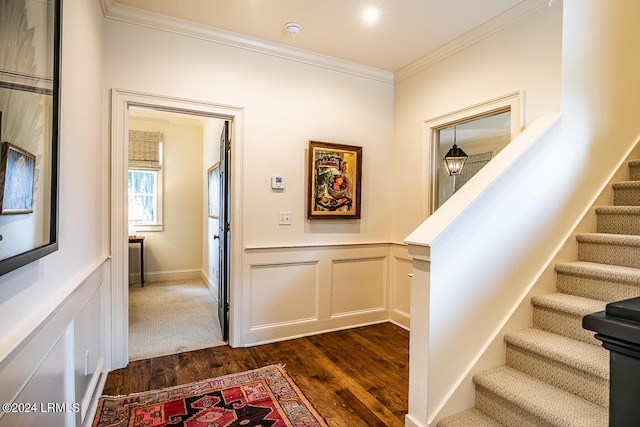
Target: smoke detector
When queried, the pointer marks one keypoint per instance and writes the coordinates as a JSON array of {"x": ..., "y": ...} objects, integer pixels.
[{"x": 292, "y": 28}]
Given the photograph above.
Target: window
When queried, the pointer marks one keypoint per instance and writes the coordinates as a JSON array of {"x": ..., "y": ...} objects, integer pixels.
[
  {"x": 144, "y": 190},
  {"x": 145, "y": 180}
]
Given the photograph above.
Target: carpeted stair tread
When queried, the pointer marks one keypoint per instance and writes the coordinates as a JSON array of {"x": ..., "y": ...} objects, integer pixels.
[
  {"x": 624, "y": 185},
  {"x": 618, "y": 210},
  {"x": 600, "y": 271},
  {"x": 609, "y": 239},
  {"x": 570, "y": 304},
  {"x": 470, "y": 418},
  {"x": 550, "y": 404},
  {"x": 585, "y": 357}
]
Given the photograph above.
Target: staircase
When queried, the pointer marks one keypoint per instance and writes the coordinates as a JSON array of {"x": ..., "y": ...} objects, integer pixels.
[{"x": 556, "y": 373}]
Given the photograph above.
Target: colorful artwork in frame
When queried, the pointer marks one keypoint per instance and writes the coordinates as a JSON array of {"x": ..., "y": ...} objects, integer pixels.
[
  {"x": 17, "y": 171},
  {"x": 213, "y": 183},
  {"x": 334, "y": 181}
]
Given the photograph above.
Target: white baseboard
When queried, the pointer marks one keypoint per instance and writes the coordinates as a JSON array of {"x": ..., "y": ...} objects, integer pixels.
[
  {"x": 90, "y": 406},
  {"x": 409, "y": 421},
  {"x": 165, "y": 276}
]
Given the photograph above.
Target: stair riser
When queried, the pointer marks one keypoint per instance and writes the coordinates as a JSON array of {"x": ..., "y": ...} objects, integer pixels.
[
  {"x": 634, "y": 173},
  {"x": 627, "y": 256},
  {"x": 562, "y": 324},
  {"x": 588, "y": 386},
  {"x": 506, "y": 412},
  {"x": 594, "y": 288},
  {"x": 626, "y": 197},
  {"x": 619, "y": 224}
]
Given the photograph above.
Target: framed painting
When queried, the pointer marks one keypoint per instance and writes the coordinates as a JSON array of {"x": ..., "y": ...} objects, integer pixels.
[
  {"x": 29, "y": 131},
  {"x": 334, "y": 182},
  {"x": 213, "y": 186},
  {"x": 17, "y": 170}
]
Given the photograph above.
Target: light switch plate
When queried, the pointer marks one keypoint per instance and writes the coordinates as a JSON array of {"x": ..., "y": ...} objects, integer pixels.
[{"x": 284, "y": 218}]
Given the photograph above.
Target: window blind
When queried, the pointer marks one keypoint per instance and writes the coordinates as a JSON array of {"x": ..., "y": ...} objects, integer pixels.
[{"x": 144, "y": 150}]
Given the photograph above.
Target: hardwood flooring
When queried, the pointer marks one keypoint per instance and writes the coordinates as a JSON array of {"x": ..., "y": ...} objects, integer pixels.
[{"x": 355, "y": 377}]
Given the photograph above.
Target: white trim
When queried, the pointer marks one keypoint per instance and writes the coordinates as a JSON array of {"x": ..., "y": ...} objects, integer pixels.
[
  {"x": 481, "y": 32},
  {"x": 120, "y": 102},
  {"x": 318, "y": 246},
  {"x": 132, "y": 15}
]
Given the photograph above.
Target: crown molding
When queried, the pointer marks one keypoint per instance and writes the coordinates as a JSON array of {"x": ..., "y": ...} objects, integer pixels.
[
  {"x": 118, "y": 12},
  {"x": 515, "y": 14}
]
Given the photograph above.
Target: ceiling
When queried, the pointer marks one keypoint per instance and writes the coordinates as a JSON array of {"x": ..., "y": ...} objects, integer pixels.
[{"x": 405, "y": 31}]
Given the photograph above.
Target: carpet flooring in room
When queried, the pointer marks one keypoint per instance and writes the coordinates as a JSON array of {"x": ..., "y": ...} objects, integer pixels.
[{"x": 172, "y": 317}]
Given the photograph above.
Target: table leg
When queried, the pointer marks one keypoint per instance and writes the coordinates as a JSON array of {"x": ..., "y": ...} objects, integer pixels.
[{"x": 142, "y": 263}]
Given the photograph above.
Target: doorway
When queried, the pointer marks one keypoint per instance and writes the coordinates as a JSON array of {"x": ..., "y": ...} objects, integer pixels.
[
  {"x": 169, "y": 204},
  {"x": 122, "y": 101}
]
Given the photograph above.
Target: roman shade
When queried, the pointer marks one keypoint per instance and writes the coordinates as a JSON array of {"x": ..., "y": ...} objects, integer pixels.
[{"x": 144, "y": 150}]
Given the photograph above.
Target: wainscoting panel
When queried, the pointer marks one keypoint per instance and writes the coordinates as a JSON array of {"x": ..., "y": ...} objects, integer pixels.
[
  {"x": 288, "y": 292},
  {"x": 61, "y": 366},
  {"x": 283, "y": 293},
  {"x": 400, "y": 304},
  {"x": 358, "y": 285}
]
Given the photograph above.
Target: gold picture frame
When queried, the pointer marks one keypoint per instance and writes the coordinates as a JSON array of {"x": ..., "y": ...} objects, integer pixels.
[{"x": 334, "y": 181}]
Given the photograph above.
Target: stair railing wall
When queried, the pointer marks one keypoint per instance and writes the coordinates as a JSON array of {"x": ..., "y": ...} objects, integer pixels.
[{"x": 477, "y": 261}]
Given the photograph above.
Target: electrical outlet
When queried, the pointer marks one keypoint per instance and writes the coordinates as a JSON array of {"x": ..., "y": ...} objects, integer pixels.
[{"x": 284, "y": 218}]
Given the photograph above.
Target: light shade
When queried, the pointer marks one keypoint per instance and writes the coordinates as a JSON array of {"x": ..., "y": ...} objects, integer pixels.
[{"x": 454, "y": 160}]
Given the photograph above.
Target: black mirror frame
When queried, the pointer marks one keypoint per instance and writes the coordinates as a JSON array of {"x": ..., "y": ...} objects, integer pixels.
[{"x": 16, "y": 261}]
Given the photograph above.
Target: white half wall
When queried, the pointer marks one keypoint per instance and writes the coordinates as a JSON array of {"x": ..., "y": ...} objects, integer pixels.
[{"x": 62, "y": 363}]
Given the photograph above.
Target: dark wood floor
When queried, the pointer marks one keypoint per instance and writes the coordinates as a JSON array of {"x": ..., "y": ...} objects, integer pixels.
[{"x": 356, "y": 377}]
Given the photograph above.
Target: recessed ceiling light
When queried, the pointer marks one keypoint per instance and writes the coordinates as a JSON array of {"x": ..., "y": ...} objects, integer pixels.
[{"x": 370, "y": 14}]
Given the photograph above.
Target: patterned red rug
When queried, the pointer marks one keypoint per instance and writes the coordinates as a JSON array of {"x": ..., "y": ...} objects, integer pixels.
[{"x": 265, "y": 397}]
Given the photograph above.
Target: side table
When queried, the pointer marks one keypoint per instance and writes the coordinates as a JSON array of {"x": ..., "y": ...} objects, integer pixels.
[{"x": 139, "y": 239}]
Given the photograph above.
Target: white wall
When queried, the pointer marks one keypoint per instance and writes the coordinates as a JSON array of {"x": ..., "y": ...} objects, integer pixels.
[
  {"x": 524, "y": 56},
  {"x": 285, "y": 104},
  {"x": 46, "y": 300},
  {"x": 176, "y": 251}
]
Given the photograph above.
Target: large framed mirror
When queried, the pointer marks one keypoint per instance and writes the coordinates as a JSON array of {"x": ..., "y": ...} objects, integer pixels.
[
  {"x": 481, "y": 131},
  {"x": 29, "y": 130}
]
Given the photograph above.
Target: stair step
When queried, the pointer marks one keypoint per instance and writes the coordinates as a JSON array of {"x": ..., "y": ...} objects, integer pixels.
[
  {"x": 470, "y": 418},
  {"x": 626, "y": 193},
  {"x": 562, "y": 314},
  {"x": 605, "y": 248},
  {"x": 618, "y": 219},
  {"x": 603, "y": 282},
  {"x": 634, "y": 170},
  {"x": 516, "y": 399},
  {"x": 573, "y": 366}
]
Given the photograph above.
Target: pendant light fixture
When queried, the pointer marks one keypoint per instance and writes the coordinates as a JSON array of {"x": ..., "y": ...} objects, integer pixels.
[{"x": 454, "y": 160}]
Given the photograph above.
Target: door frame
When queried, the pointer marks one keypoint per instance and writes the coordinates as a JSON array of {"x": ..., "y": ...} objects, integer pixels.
[{"x": 117, "y": 323}]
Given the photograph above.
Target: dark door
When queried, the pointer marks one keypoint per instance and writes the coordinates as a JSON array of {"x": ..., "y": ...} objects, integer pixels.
[{"x": 224, "y": 232}]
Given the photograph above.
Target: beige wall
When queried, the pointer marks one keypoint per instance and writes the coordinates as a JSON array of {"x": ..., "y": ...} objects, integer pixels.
[
  {"x": 28, "y": 294},
  {"x": 284, "y": 105},
  {"x": 524, "y": 56},
  {"x": 176, "y": 251},
  {"x": 53, "y": 310}
]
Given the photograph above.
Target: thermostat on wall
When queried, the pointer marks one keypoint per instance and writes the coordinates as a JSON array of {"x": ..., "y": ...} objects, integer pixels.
[{"x": 277, "y": 182}]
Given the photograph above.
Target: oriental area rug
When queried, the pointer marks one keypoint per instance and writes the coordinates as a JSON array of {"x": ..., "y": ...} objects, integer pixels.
[{"x": 265, "y": 397}]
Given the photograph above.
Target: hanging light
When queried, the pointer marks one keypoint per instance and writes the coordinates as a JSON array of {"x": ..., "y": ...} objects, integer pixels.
[{"x": 455, "y": 158}]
